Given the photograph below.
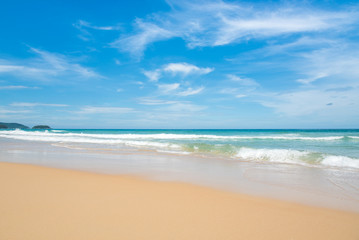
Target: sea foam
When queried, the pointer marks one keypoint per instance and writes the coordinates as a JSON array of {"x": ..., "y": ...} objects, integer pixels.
[
  {"x": 296, "y": 157},
  {"x": 271, "y": 155}
]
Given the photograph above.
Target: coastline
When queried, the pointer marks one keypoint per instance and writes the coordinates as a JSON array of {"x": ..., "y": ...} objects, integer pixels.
[
  {"x": 46, "y": 203},
  {"x": 331, "y": 188}
]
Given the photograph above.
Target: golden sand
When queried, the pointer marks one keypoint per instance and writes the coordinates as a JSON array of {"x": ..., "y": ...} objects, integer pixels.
[{"x": 44, "y": 203}]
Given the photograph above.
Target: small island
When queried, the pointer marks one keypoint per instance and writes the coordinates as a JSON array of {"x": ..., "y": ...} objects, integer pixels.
[
  {"x": 41, "y": 127},
  {"x": 21, "y": 126},
  {"x": 12, "y": 126}
]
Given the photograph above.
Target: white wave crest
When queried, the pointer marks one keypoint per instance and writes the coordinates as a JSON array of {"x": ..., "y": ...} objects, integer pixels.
[
  {"x": 58, "y": 131},
  {"x": 79, "y": 138},
  {"x": 167, "y": 136},
  {"x": 271, "y": 155},
  {"x": 340, "y": 161},
  {"x": 296, "y": 157}
]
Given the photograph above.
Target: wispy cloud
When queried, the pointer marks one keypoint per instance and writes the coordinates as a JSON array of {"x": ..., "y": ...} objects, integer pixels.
[
  {"x": 303, "y": 102},
  {"x": 229, "y": 90},
  {"x": 146, "y": 32},
  {"x": 32, "y": 104},
  {"x": 83, "y": 24},
  {"x": 183, "y": 107},
  {"x": 243, "y": 81},
  {"x": 84, "y": 27},
  {"x": 185, "y": 69},
  {"x": 340, "y": 61},
  {"x": 46, "y": 66},
  {"x": 16, "y": 87},
  {"x": 303, "y": 43},
  {"x": 103, "y": 110},
  {"x": 171, "y": 70},
  {"x": 235, "y": 92},
  {"x": 168, "y": 88},
  {"x": 12, "y": 111},
  {"x": 190, "y": 91},
  {"x": 170, "y": 106},
  {"x": 216, "y": 23},
  {"x": 153, "y": 76},
  {"x": 153, "y": 101},
  {"x": 159, "y": 111},
  {"x": 242, "y": 86},
  {"x": 181, "y": 68}
]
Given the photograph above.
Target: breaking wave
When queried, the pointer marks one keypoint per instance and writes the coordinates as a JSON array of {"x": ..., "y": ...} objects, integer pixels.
[
  {"x": 230, "y": 146},
  {"x": 296, "y": 157},
  {"x": 164, "y": 136}
]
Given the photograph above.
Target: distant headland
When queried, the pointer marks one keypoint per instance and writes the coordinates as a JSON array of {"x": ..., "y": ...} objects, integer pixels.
[
  {"x": 41, "y": 127},
  {"x": 21, "y": 126}
]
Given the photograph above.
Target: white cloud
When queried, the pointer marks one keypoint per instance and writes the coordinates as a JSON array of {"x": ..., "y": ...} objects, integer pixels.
[
  {"x": 83, "y": 24},
  {"x": 185, "y": 69},
  {"x": 168, "y": 88},
  {"x": 243, "y": 81},
  {"x": 183, "y": 107},
  {"x": 340, "y": 61},
  {"x": 146, "y": 33},
  {"x": 236, "y": 92},
  {"x": 176, "y": 68},
  {"x": 13, "y": 69},
  {"x": 61, "y": 64},
  {"x": 162, "y": 110},
  {"x": 152, "y": 101},
  {"x": 307, "y": 43},
  {"x": 12, "y": 111},
  {"x": 10, "y": 68},
  {"x": 28, "y": 104},
  {"x": 242, "y": 88},
  {"x": 119, "y": 90},
  {"x": 215, "y": 23},
  {"x": 46, "y": 66},
  {"x": 153, "y": 76},
  {"x": 278, "y": 22},
  {"x": 314, "y": 77},
  {"x": 105, "y": 110},
  {"x": 190, "y": 91},
  {"x": 229, "y": 90}
]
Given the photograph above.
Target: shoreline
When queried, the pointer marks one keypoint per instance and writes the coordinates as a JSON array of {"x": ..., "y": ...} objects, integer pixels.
[
  {"x": 38, "y": 202},
  {"x": 331, "y": 188}
]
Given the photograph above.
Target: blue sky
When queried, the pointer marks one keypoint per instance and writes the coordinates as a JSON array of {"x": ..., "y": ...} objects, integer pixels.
[{"x": 180, "y": 64}]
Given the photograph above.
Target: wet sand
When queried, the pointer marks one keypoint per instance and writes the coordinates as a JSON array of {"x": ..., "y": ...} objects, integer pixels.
[{"x": 47, "y": 203}]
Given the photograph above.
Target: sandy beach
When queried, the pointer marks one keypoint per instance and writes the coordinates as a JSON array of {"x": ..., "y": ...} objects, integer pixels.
[{"x": 47, "y": 203}]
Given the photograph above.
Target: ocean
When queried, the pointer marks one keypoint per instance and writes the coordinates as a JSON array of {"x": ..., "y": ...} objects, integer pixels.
[{"x": 312, "y": 148}]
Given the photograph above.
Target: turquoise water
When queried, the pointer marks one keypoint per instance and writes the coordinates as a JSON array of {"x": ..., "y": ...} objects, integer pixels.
[{"x": 315, "y": 148}]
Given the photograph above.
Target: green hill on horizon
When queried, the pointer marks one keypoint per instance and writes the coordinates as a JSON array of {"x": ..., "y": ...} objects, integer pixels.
[{"x": 13, "y": 125}]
